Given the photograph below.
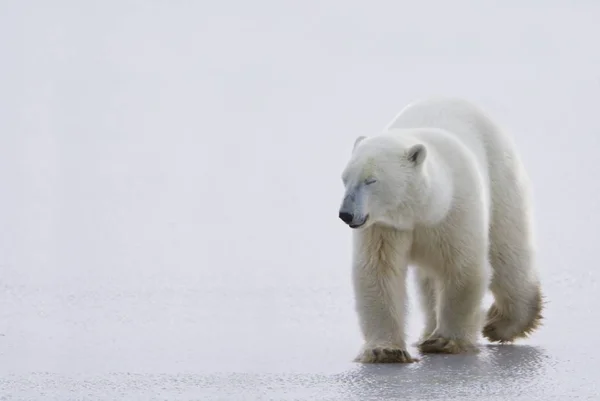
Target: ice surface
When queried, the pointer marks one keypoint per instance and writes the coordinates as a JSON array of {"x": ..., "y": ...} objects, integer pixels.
[{"x": 170, "y": 179}]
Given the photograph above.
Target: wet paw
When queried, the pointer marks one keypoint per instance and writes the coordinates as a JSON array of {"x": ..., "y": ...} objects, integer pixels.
[
  {"x": 504, "y": 329},
  {"x": 385, "y": 355},
  {"x": 424, "y": 336},
  {"x": 498, "y": 329},
  {"x": 442, "y": 345}
]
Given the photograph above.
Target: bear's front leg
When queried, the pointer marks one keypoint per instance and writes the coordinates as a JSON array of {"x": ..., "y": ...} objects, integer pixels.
[
  {"x": 379, "y": 277},
  {"x": 459, "y": 317}
]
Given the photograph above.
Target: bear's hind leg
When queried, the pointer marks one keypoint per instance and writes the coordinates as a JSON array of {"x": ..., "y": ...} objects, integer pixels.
[{"x": 518, "y": 300}]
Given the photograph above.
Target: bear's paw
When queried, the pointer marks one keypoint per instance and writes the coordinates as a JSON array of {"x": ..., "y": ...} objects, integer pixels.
[
  {"x": 442, "y": 345},
  {"x": 385, "y": 354}
]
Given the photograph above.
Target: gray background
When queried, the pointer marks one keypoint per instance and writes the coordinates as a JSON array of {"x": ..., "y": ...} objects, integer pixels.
[{"x": 170, "y": 179}]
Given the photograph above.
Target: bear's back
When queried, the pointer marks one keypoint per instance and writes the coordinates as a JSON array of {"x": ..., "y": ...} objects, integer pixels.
[{"x": 493, "y": 149}]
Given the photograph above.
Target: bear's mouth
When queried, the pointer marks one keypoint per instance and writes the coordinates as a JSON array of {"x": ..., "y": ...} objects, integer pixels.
[{"x": 359, "y": 224}]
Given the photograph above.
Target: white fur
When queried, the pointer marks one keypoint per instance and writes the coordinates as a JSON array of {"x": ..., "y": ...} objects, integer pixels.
[{"x": 442, "y": 188}]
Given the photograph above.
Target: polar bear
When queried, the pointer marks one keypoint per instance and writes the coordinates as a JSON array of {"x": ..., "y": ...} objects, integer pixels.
[{"x": 442, "y": 188}]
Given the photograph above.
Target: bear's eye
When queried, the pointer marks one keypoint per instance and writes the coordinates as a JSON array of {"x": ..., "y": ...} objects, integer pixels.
[{"x": 370, "y": 181}]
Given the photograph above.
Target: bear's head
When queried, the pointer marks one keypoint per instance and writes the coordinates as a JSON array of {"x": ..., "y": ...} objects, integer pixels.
[{"x": 383, "y": 182}]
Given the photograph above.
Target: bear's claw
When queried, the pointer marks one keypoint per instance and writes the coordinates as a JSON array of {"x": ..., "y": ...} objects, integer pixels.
[
  {"x": 385, "y": 355},
  {"x": 442, "y": 345},
  {"x": 504, "y": 329}
]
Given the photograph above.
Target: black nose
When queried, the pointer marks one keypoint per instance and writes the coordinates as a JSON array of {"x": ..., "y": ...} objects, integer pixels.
[{"x": 346, "y": 217}]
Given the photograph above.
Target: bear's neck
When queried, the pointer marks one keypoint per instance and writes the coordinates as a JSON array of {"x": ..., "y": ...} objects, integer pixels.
[{"x": 436, "y": 194}]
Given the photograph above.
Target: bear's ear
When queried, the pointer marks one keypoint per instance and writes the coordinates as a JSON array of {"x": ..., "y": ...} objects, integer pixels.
[
  {"x": 357, "y": 141},
  {"x": 417, "y": 154}
]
